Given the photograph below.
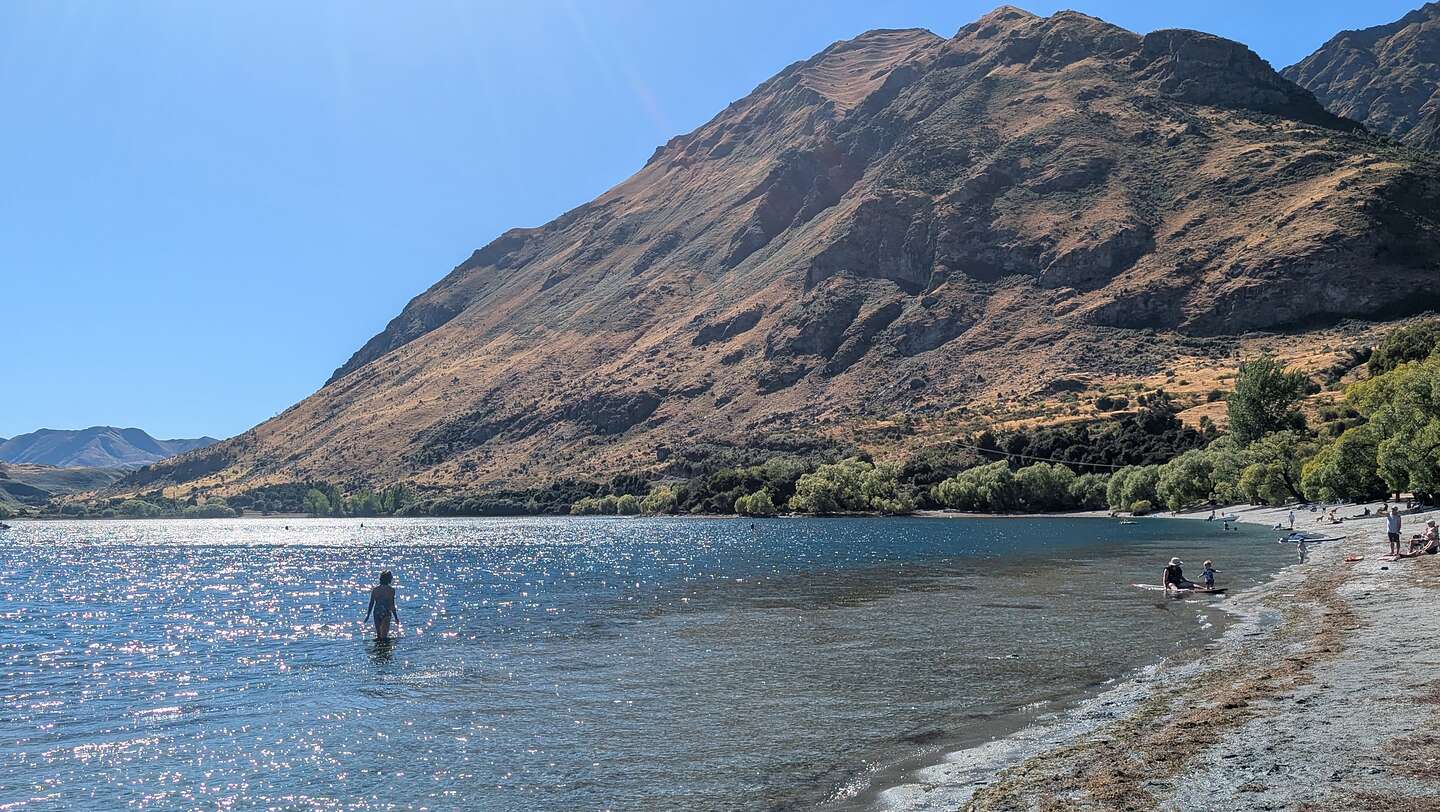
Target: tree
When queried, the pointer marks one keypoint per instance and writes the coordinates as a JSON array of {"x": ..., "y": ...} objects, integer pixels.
[
  {"x": 1132, "y": 484},
  {"x": 1045, "y": 486},
  {"x": 1087, "y": 492},
  {"x": 985, "y": 488},
  {"x": 316, "y": 503},
  {"x": 138, "y": 509},
  {"x": 831, "y": 488},
  {"x": 1344, "y": 469},
  {"x": 1264, "y": 400},
  {"x": 1227, "y": 463},
  {"x": 1413, "y": 342},
  {"x": 756, "y": 504},
  {"x": 627, "y": 505},
  {"x": 1402, "y": 408},
  {"x": 659, "y": 500},
  {"x": 592, "y": 506},
  {"x": 1186, "y": 480},
  {"x": 851, "y": 484},
  {"x": 1274, "y": 474}
]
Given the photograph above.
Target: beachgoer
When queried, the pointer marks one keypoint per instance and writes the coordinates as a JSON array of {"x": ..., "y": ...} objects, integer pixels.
[
  {"x": 1174, "y": 577},
  {"x": 1392, "y": 528},
  {"x": 1303, "y": 548},
  {"x": 1211, "y": 517},
  {"x": 382, "y": 605},
  {"x": 1427, "y": 543},
  {"x": 1208, "y": 575},
  {"x": 1292, "y": 520}
]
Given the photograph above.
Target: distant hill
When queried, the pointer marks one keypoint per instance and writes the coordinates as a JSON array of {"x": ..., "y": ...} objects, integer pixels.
[
  {"x": 95, "y": 447},
  {"x": 1387, "y": 77},
  {"x": 34, "y": 485}
]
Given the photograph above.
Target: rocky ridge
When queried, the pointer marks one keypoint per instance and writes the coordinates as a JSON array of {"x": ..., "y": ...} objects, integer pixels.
[
  {"x": 1387, "y": 77},
  {"x": 900, "y": 224}
]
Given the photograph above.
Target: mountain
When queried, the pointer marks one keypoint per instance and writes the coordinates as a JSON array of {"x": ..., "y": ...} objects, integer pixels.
[
  {"x": 1387, "y": 77},
  {"x": 95, "y": 447},
  {"x": 901, "y": 225},
  {"x": 35, "y": 485}
]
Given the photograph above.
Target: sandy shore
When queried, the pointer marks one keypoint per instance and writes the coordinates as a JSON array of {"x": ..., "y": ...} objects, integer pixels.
[{"x": 1324, "y": 695}]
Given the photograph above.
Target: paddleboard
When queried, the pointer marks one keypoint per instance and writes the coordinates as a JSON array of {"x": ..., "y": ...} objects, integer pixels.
[{"x": 1198, "y": 591}]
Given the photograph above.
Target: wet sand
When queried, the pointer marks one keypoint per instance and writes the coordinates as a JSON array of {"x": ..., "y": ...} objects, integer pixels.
[{"x": 1325, "y": 695}]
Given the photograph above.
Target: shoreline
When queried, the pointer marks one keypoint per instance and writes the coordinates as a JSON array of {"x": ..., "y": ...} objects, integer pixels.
[{"x": 1319, "y": 695}]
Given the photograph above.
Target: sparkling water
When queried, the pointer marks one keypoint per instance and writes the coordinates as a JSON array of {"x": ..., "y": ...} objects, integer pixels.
[{"x": 566, "y": 664}]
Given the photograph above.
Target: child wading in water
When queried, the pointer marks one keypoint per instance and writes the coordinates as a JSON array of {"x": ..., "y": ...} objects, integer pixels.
[
  {"x": 1208, "y": 575},
  {"x": 382, "y": 605}
]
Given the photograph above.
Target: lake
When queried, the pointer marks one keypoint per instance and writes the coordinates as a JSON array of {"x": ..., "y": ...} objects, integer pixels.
[{"x": 564, "y": 663}]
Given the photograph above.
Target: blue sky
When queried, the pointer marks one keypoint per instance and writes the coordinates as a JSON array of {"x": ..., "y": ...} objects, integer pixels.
[{"x": 209, "y": 206}]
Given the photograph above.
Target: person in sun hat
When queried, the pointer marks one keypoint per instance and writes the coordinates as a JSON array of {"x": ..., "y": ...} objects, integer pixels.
[{"x": 1174, "y": 577}]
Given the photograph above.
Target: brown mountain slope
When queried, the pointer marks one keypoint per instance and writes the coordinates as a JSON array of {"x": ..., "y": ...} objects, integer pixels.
[
  {"x": 1387, "y": 77},
  {"x": 900, "y": 224}
]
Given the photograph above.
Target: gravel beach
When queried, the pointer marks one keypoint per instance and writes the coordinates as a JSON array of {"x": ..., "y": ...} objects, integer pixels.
[{"x": 1324, "y": 695}]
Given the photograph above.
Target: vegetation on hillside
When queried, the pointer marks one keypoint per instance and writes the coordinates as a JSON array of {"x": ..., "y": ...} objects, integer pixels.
[{"x": 1382, "y": 437}]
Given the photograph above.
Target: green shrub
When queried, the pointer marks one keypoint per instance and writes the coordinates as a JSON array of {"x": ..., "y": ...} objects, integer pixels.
[
  {"x": 1111, "y": 403},
  {"x": 627, "y": 505},
  {"x": 1344, "y": 469},
  {"x": 1186, "y": 480},
  {"x": 317, "y": 503},
  {"x": 851, "y": 485},
  {"x": 1045, "y": 486},
  {"x": 986, "y": 488},
  {"x": 138, "y": 509},
  {"x": 1141, "y": 507},
  {"x": 659, "y": 500},
  {"x": 1132, "y": 484},
  {"x": 591, "y": 506},
  {"x": 1087, "y": 492},
  {"x": 756, "y": 504},
  {"x": 1414, "y": 342}
]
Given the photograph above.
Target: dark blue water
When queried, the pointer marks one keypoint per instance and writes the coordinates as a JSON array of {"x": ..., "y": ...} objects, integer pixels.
[{"x": 560, "y": 663}]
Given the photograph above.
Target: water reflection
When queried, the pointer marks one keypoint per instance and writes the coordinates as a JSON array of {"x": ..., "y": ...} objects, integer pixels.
[{"x": 557, "y": 664}]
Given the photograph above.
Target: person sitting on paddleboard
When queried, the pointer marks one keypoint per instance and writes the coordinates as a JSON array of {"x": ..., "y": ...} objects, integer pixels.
[
  {"x": 1175, "y": 577},
  {"x": 382, "y": 605}
]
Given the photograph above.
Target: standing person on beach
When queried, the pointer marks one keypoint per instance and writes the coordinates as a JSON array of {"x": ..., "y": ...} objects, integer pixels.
[
  {"x": 382, "y": 606},
  {"x": 1392, "y": 527},
  {"x": 1292, "y": 520}
]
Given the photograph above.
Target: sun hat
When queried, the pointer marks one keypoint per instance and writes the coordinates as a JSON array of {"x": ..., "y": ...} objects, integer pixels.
[{"x": 1176, "y": 561}]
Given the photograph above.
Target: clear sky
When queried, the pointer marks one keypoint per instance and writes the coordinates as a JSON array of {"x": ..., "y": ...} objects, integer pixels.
[{"x": 207, "y": 207}]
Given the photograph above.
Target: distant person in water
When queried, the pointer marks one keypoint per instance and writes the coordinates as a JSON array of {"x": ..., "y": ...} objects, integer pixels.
[
  {"x": 1174, "y": 577},
  {"x": 382, "y": 606}
]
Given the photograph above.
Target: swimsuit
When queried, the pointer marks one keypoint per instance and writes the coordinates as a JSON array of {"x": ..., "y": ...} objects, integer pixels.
[{"x": 384, "y": 607}]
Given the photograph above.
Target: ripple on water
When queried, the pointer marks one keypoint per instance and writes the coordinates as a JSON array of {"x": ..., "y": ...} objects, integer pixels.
[{"x": 556, "y": 663}]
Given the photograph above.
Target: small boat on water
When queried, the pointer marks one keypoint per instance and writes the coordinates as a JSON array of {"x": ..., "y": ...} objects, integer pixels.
[{"x": 1128, "y": 521}]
